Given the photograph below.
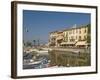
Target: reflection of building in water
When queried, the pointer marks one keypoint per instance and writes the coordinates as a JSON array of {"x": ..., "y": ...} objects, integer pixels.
[
  {"x": 75, "y": 36},
  {"x": 68, "y": 58}
]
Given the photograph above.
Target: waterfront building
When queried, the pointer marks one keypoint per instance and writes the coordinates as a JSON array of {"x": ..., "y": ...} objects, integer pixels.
[
  {"x": 71, "y": 37},
  {"x": 52, "y": 38}
]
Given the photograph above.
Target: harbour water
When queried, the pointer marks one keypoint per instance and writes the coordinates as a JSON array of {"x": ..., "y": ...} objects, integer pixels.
[
  {"x": 56, "y": 57},
  {"x": 36, "y": 60}
]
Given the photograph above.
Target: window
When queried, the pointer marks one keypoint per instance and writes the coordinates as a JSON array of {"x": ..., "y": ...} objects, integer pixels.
[
  {"x": 85, "y": 37},
  {"x": 85, "y": 30},
  {"x": 79, "y": 38},
  {"x": 80, "y": 31},
  {"x": 76, "y": 30}
]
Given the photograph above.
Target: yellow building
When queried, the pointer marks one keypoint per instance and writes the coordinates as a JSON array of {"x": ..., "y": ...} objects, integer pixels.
[
  {"x": 75, "y": 36},
  {"x": 56, "y": 38}
]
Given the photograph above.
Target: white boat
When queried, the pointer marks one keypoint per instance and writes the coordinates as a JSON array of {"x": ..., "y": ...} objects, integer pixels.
[
  {"x": 42, "y": 51},
  {"x": 36, "y": 62}
]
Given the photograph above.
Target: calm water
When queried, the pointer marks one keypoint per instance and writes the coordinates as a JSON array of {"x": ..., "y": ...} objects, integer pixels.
[{"x": 56, "y": 58}]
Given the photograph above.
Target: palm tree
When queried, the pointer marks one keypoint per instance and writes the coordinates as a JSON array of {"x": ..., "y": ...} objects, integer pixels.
[{"x": 34, "y": 42}]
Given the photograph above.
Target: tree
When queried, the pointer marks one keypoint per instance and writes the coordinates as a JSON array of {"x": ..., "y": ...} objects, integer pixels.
[
  {"x": 28, "y": 44},
  {"x": 89, "y": 33},
  {"x": 88, "y": 39},
  {"x": 89, "y": 28},
  {"x": 34, "y": 42}
]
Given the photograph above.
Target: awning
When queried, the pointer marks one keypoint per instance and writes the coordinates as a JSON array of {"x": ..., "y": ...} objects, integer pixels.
[
  {"x": 63, "y": 43},
  {"x": 67, "y": 43},
  {"x": 81, "y": 43},
  {"x": 59, "y": 38}
]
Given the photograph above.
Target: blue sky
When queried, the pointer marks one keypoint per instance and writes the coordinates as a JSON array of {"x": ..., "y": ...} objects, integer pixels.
[{"x": 40, "y": 23}]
